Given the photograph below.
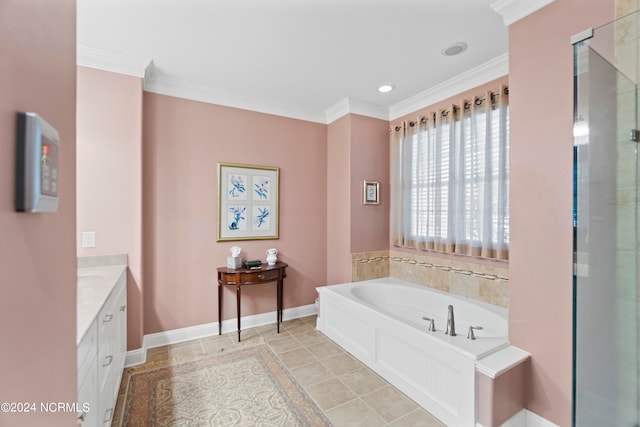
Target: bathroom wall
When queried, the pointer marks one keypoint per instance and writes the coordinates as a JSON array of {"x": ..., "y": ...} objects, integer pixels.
[
  {"x": 357, "y": 150},
  {"x": 37, "y": 251},
  {"x": 540, "y": 265},
  {"x": 109, "y": 176},
  {"x": 338, "y": 194},
  {"x": 183, "y": 141},
  {"x": 369, "y": 154}
]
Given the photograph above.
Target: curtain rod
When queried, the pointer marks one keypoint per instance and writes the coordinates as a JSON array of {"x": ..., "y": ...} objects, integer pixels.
[{"x": 466, "y": 106}]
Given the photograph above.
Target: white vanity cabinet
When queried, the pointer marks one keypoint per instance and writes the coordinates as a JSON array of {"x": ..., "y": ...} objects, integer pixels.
[
  {"x": 102, "y": 350},
  {"x": 88, "y": 378},
  {"x": 112, "y": 337}
]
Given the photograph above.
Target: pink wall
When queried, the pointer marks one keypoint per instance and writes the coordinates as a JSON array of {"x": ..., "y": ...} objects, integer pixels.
[
  {"x": 540, "y": 268},
  {"x": 357, "y": 149},
  {"x": 37, "y": 251},
  {"x": 182, "y": 143},
  {"x": 109, "y": 176},
  {"x": 338, "y": 197},
  {"x": 499, "y": 399},
  {"x": 369, "y": 154}
]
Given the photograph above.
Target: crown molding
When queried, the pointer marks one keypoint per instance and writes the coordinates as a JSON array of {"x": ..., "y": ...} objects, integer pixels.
[
  {"x": 115, "y": 62},
  {"x": 155, "y": 82},
  {"x": 514, "y": 10},
  {"x": 166, "y": 85},
  {"x": 355, "y": 106},
  {"x": 491, "y": 70}
]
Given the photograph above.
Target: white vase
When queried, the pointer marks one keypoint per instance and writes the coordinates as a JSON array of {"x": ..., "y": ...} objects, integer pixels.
[{"x": 272, "y": 256}]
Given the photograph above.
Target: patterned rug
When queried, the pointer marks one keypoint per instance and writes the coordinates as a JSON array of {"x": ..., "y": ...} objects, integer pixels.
[{"x": 246, "y": 387}]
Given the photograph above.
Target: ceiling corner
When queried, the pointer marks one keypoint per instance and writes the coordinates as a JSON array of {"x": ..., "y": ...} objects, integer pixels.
[
  {"x": 115, "y": 62},
  {"x": 354, "y": 106},
  {"x": 514, "y": 10}
]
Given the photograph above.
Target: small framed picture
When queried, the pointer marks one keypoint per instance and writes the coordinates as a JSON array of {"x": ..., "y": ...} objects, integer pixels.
[{"x": 371, "y": 193}]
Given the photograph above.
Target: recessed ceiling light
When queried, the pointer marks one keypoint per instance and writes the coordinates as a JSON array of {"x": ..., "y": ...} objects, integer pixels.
[
  {"x": 454, "y": 49},
  {"x": 385, "y": 88}
]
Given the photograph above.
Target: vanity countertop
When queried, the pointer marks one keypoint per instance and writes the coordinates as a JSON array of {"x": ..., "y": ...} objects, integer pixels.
[{"x": 94, "y": 286}]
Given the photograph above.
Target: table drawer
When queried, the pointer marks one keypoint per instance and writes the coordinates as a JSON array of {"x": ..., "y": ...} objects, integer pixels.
[{"x": 258, "y": 276}]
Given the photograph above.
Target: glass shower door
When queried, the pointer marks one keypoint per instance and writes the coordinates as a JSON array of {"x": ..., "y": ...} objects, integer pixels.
[{"x": 606, "y": 227}]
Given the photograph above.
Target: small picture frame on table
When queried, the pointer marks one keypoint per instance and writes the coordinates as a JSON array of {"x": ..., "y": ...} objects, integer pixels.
[{"x": 370, "y": 193}]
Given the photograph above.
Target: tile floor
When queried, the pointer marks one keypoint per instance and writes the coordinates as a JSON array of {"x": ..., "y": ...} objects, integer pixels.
[{"x": 348, "y": 392}]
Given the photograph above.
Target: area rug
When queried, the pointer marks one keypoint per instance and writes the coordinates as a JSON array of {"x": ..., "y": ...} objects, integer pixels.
[{"x": 245, "y": 387}]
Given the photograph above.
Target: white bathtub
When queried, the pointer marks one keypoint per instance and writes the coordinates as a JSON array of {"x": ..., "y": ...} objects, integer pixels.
[{"x": 380, "y": 322}]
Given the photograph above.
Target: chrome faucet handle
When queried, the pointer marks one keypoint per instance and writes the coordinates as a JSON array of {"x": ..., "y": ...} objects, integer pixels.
[
  {"x": 432, "y": 324},
  {"x": 470, "y": 334}
]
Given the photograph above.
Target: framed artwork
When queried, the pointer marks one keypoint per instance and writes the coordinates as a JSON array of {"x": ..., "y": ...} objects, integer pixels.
[
  {"x": 247, "y": 202},
  {"x": 371, "y": 193}
]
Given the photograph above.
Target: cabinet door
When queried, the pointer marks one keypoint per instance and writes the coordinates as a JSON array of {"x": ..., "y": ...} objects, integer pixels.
[
  {"x": 120, "y": 337},
  {"x": 106, "y": 322},
  {"x": 88, "y": 393}
]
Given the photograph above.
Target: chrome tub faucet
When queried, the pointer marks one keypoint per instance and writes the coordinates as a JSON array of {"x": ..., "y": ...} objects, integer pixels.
[{"x": 451, "y": 323}]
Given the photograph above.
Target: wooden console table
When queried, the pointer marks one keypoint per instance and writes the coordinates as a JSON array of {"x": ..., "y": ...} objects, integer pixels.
[{"x": 246, "y": 276}]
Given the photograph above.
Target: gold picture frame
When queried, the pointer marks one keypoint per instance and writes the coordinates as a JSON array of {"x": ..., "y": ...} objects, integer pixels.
[
  {"x": 370, "y": 193},
  {"x": 248, "y": 202}
]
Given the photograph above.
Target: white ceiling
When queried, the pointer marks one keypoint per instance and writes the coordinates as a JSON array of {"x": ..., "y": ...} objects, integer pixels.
[{"x": 300, "y": 58}]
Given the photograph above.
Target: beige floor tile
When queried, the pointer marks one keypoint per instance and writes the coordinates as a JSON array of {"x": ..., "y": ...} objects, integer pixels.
[
  {"x": 341, "y": 364},
  {"x": 363, "y": 381},
  {"x": 299, "y": 328},
  {"x": 331, "y": 393},
  {"x": 158, "y": 354},
  {"x": 310, "y": 338},
  {"x": 216, "y": 343},
  {"x": 185, "y": 351},
  {"x": 355, "y": 413},
  {"x": 270, "y": 334},
  {"x": 417, "y": 417},
  {"x": 389, "y": 403},
  {"x": 311, "y": 374},
  {"x": 298, "y": 357},
  {"x": 283, "y": 345},
  {"x": 287, "y": 324},
  {"x": 245, "y": 335},
  {"x": 310, "y": 320},
  {"x": 331, "y": 376},
  {"x": 325, "y": 349}
]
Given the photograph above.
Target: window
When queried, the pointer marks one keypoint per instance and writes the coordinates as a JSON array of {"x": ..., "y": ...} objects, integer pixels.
[{"x": 451, "y": 179}]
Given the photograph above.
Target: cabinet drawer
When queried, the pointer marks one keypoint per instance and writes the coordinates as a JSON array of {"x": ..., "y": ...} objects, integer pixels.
[{"x": 88, "y": 346}]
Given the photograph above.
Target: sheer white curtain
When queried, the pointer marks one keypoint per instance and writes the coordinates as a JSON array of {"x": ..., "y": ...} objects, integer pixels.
[{"x": 451, "y": 179}]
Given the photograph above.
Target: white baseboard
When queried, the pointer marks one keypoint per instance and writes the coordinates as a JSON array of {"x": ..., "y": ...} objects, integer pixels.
[
  {"x": 175, "y": 336},
  {"x": 136, "y": 357},
  {"x": 535, "y": 420},
  {"x": 525, "y": 418}
]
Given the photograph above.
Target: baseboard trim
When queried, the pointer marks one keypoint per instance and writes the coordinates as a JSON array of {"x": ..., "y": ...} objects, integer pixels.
[
  {"x": 525, "y": 418},
  {"x": 175, "y": 336},
  {"x": 535, "y": 420}
]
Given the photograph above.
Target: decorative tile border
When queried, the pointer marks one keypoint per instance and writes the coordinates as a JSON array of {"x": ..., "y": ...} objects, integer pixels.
[
  {"x": 487, "y": 283},
  {"x": 447, "y": 268}
]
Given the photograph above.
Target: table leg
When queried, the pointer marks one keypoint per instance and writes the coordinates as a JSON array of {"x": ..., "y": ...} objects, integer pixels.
[
  {"x": 219, "y": 309},
  {"x": 279, "y": 298},
  {"x": 238, "y": 309}
]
